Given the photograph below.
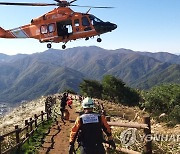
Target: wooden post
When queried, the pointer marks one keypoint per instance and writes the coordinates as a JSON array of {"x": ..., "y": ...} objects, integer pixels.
[
  {"x": 35, "y": 122},
  {"x": 46, "y": 106},
  {"x": 17, "y": 134},
  {"x": 26, "y": 124},
  {"x": 17, "y": 137},
  {"x": 42, "y": 113},
  {"x": 1, "y": 139},
  {"x": 31, "y": 127},
  {"x": 48, "y": 113},
  {"x": 0, "y": 145},
  {"x": 148, "y": 140}
]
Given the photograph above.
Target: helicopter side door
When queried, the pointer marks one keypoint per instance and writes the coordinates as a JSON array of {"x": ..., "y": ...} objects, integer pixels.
[{"x": 64, "y": 28}]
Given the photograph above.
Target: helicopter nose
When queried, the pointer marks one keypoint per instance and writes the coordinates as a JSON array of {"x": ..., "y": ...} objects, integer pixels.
[
  {"x": 110, "y": 26},
  {"x": 114, "y": 26},
  {"x": 105, "y": 27}
]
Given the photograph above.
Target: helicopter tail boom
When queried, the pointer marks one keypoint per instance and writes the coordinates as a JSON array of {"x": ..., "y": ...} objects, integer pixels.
[
  {"x": 13, "y": 33},
  {"x": 2, "y": 32}
]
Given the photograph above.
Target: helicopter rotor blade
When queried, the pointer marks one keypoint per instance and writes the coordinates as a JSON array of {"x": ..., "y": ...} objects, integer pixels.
[
  {"x": 28, "y": 4},
  {"x": 60, "y": 3},
  {"x": 97, "y": 7},
  {"x": 72, "y": 1}
]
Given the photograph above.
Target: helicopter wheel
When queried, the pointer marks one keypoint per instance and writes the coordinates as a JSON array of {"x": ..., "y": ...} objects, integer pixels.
[
  {"x": 87, "y": 38},
  {"x": 49, "y": 45},
  {"x": 64, "y": 46},
  {"x": 99, "y": 39}
]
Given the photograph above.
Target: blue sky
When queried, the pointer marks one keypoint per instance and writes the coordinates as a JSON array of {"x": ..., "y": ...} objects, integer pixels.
[{"x": 143, "y": 25}]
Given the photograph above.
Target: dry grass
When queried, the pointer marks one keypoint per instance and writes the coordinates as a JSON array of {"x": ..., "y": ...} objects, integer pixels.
[
  {"x": 120, "y": 113},
  {"x": 19, "y": 114}
]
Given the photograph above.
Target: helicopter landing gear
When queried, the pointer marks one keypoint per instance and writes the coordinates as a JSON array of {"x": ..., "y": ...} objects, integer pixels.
[
  {"x": 63, "y": 46},
  {"x": 49, "y": 45},
  {"x": 99, "y": 39},
  {"x": 87, "y": 38}
]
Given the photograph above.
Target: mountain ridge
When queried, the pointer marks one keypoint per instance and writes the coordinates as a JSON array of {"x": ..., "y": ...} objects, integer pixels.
[{"x": 30, "y": 76}]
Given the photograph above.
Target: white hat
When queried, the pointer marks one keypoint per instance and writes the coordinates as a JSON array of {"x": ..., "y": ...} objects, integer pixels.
[{"x": 87, "y": 103}]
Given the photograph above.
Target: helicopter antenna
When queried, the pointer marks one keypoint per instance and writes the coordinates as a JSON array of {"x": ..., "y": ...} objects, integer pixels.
[
  {"x": 72, "y": 1},
  {"x": 88, "y": 11}
]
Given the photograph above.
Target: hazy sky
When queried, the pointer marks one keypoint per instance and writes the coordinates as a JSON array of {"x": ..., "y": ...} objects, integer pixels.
[{"x": 143, "y": 25}]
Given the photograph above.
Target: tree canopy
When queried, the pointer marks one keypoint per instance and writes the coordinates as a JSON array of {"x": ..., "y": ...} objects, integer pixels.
[
  {"x": 110, "y": 88},
  {"x": 163, "y": 99}
]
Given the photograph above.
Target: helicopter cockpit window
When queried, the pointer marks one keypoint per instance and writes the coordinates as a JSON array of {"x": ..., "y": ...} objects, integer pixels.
[
  {"x": 76, "y": 22},
  {"x": 94, "y": 20},
  {"x": 85, "y": 21},
  {"x": 44, "y": 29},
  {"x": 51, "y": 28}
]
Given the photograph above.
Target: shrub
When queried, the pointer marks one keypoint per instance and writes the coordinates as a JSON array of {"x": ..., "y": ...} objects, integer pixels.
[{"x": 163, "y": 99}]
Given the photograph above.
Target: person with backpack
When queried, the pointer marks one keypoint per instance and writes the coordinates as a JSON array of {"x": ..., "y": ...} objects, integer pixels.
[
  {"x": 64, "y": 99},
  {"x": 88, "y": 130},
  {"x": 63, "y": 104}
]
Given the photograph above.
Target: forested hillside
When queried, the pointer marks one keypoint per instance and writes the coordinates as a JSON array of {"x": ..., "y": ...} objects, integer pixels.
[{"x": 30, "y": 76}]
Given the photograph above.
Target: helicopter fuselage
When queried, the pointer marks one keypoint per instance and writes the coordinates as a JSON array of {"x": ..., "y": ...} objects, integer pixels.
[{"x": 60, "y": 25}]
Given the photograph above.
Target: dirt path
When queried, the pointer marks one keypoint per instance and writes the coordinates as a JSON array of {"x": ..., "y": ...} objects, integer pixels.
[{"x": 57, "y": 142}]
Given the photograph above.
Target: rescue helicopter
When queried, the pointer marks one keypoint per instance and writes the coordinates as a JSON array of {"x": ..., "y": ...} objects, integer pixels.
[{"x": 59, "y": 25}]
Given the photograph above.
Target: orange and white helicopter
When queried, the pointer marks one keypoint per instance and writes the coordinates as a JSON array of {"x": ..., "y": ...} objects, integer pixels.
[{"x": 59, "y": 25}]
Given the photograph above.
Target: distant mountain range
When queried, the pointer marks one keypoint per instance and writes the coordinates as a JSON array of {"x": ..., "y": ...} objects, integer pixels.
[{"x": 25, "y": 77}]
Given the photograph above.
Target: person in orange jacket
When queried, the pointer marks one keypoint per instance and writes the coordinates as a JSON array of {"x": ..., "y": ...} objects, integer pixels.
[{"x": 88, "y": 129}]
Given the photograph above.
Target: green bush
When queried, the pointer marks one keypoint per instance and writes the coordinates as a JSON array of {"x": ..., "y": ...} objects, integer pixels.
[
  {"x": 175, "y": 114},
  {"x": 131, "y": 97},
  {"x": 163, "y": 99},
  {"x": 91, "y": 88},
  {"x": 110, "y": 88}
]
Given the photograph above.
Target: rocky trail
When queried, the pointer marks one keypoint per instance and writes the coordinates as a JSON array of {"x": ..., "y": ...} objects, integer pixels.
[{"x": 57, "y": 141}]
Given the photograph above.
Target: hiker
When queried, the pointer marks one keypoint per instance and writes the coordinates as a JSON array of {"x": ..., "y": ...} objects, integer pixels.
[
  {"x": 69, "y": 102},
  {"x": 63, "y": 103},
  {"x": 88, "y": 129}
]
